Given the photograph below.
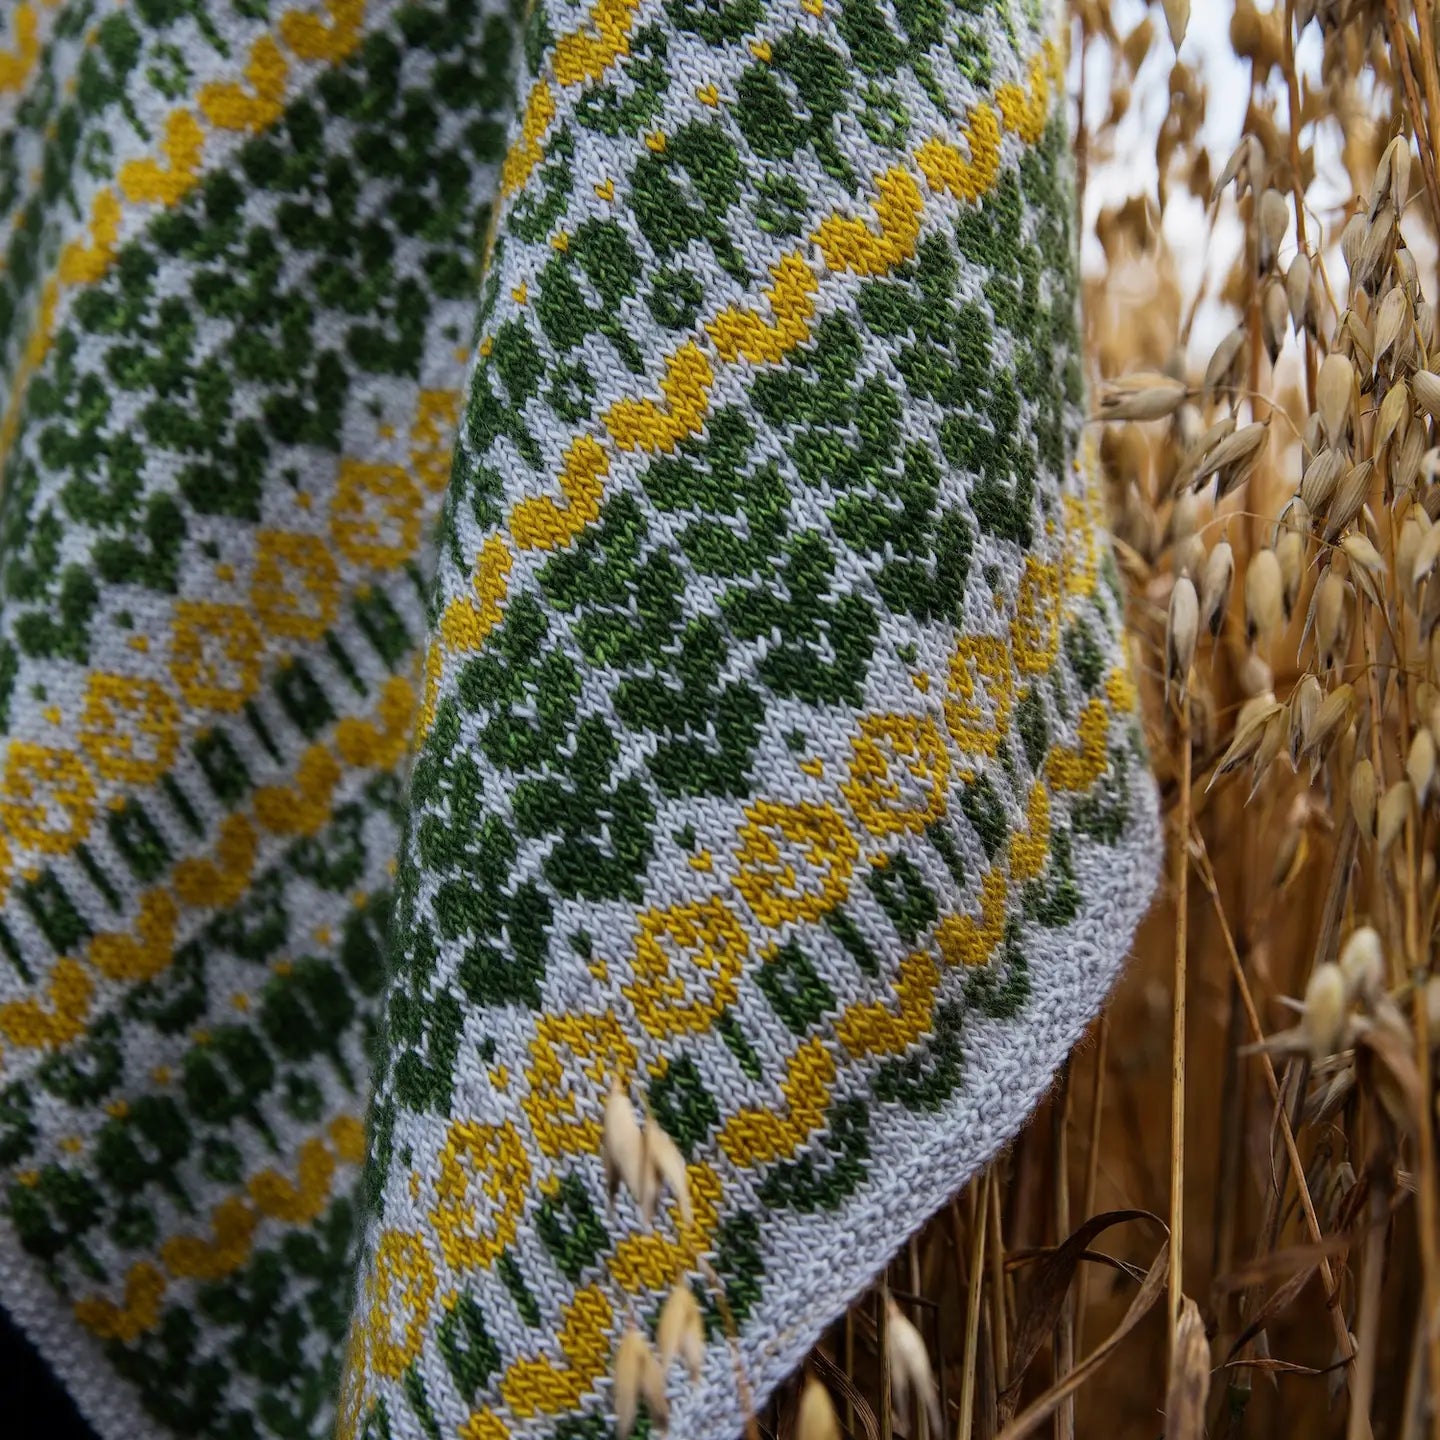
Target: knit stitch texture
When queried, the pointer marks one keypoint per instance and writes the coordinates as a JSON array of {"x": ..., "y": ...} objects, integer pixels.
[{"x": 774, "y": 746}]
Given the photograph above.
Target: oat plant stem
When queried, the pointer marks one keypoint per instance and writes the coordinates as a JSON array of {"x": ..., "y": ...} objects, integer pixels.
[{"x": 1177, "y": 1054}]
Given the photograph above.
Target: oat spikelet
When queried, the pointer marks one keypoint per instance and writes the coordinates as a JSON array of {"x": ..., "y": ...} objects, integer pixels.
[
  {"x": 1181, "y": 630},
  {"x": 1332, "y": 610},
  {"x": 1420, "y": 765},
  {"x": 1305, "y": 702},
  {"x": 1334, "y": 395},
  {"x": 1393, "y": 813},
  {"x": 1141, "y": 396},
  {"x": 911, "y": 1379},
  {"x": 638, "y": 1376},
  {"x": 680, "y": 1331},
  {"x": 1250, "y": 730},
  {"x": 817, "y": 1419},
  {"x": 1215, "y": 583},
  {"x": 1362, "y": 796},
  {"x": 1426, "y": 389},
  {"x": 1264, "y": 595},
  {"x": 622, "y": 1146},
  {"x": 664, "y": 1170},
  {"x": 1322, "y": 1022},
  {"x": 1362, "y": 961},
  {"x": 1298, "y": 293},
  {"x": 1177, "y": 18}
]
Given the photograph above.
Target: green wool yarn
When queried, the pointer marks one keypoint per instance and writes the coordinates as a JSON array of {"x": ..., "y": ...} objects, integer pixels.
[{"x": 661, "y": 420}]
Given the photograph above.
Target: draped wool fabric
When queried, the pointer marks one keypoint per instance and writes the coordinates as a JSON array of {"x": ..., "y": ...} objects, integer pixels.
[{"x": 541, "y": 543}]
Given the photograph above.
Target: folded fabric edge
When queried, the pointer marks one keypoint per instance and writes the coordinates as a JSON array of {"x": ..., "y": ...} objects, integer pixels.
[
  {"x": 1121, "y": 881},
  {"x": 28, "y": 1298}
]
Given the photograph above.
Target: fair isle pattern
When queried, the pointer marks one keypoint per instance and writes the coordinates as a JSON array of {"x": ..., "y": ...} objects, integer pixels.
[
  {"x": 776, "y": 751},
  {"x": 236, "y": 305}
]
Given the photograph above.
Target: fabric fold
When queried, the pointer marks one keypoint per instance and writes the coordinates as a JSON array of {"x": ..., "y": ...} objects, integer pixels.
[{"x": 777, "y": 757}]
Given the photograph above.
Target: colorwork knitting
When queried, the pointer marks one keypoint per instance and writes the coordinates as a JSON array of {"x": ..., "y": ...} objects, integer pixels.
[{"x": 774, "y": 746}]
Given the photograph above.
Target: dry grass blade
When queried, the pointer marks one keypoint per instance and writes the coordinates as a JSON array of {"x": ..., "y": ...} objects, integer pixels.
[
  {"x": 1276, "y": 1303},
  {"x": 1049, "y": 1285},
  {"x": 851, "y": 1393},
  {"x": 1035, "y": 1414}
]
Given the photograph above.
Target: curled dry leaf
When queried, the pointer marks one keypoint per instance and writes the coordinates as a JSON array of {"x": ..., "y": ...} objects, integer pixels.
[{"x": 1189, "y": 1385}]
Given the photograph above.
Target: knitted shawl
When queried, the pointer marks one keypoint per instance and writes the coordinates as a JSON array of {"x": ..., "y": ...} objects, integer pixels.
[{"x": 661, "y": 419}]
